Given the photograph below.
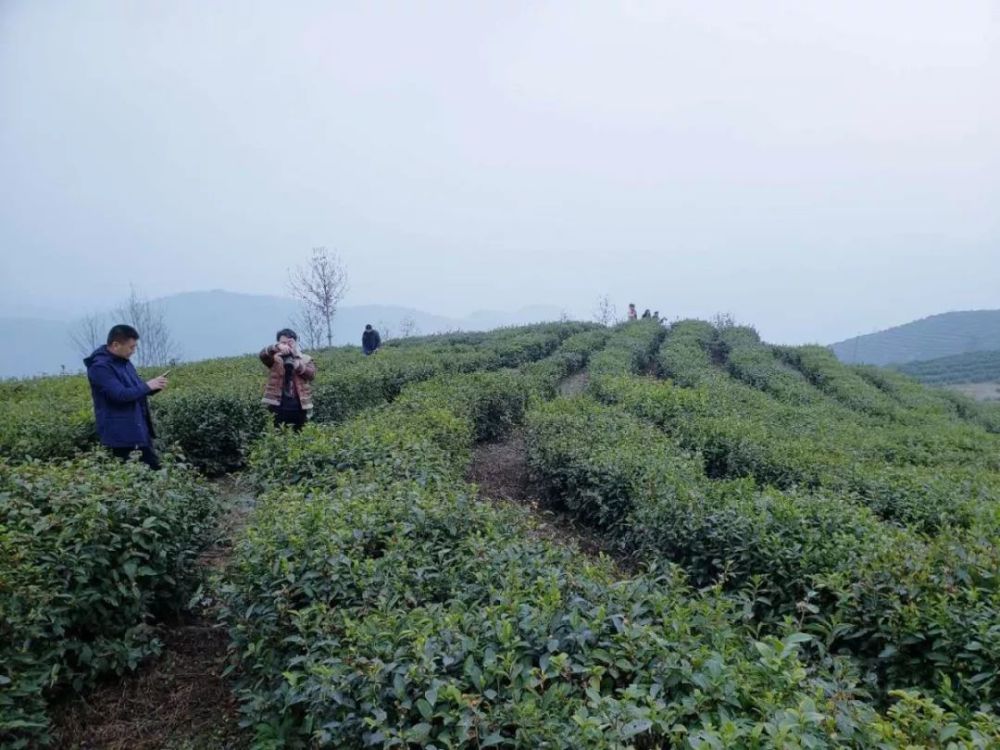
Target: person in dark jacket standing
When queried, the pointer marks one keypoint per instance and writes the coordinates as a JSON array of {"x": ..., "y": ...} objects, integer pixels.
[
  {"x": 288, "y": 391},
  {"x": 121, "y": 405},
  {"x": 370, "y": 340}
]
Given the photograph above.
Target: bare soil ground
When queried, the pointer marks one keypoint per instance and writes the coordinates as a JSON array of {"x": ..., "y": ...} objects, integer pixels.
[
  {"x": 501, "y": 471},
  {"x": 180, "y": 700},
  {"x": 574, "y": 384}
]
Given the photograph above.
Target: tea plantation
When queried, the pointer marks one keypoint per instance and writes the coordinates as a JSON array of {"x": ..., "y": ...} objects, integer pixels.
[
  {"x": 974, "y": 367},
  {"x": 805, "y": 554}
]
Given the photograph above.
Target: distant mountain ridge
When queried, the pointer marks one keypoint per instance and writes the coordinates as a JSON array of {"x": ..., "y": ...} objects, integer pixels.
[
  {"x": 944, "y": 335},
  {"x": 218, "y": 323}
]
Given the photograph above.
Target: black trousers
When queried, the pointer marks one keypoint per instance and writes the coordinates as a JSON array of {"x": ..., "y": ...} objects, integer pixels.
[
  {"x": 296, "y": 419},
  {"x": 148, "y": 457}
]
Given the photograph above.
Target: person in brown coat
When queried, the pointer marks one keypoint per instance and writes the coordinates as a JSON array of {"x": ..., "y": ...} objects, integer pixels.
[{"x": 288, "y": 392}]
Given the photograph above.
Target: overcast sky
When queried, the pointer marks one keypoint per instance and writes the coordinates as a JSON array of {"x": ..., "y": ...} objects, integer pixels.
[{"x": 817, "y": 169}]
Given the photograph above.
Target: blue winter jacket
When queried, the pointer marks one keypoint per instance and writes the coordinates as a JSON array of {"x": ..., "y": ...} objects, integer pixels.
[
  {"x": 370, "y": 341},
  {"x": 120, "y": 404}
]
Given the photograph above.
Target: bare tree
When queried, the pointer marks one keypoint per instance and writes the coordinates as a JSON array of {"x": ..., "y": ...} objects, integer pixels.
[
  {"x": 88, "y": 333},
  {"x": 320, "y": 285},
  {"x": 606, "y": 314},
  {"x": 309, "y": 325},
  {"x": 384, "y": 330},
  {"x": 408, "y": 327},
  {"x": 156, "y": 347}
]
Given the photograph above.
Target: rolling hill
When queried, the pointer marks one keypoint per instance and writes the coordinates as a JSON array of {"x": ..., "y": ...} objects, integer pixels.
[
  {"x": 974, "y": 367},
  {"x": 937, "y": 336}
]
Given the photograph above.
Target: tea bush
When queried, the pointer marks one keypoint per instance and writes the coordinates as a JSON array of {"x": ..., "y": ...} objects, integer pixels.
[
  {"x": 925, "y": 612},
  {"x": 325, "y": 453},
  {"x": 213, "y": 427},
  {"x": 92, "y": 551},
  {"x": 625, "y": 476},
  {"x": 544, "y": 375},
  {"x": 912, "y": 608},
  {"x": 841, "y": 551},
  {"x": 375, "y": 602},
  {"x": 908, "y": 392},
  {"x": 442, "y": 417},
  {"x": 630, "y": 350},
  {"x": 212, "y": 411},
  {"x": 821, "y": 367},
  {"x": 45, "y": 429},
  {"x": 972, "y": 367},
  {"x": 398, "y": 615},
  {"x": 936, "y": 470}
]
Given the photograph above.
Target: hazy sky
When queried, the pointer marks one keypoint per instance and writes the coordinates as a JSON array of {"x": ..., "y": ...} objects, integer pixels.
[{"x": 818, "y": 169}]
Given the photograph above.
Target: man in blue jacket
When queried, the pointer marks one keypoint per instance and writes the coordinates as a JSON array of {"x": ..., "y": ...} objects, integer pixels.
[
  {"x": 120, "y": 397},
  {"x": 370, "y": 340}
]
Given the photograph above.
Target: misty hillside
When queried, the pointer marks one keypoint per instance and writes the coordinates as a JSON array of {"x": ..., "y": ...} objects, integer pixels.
[
  {"x": 943, "y": 335},
  {"x": 219, "y": 323}
]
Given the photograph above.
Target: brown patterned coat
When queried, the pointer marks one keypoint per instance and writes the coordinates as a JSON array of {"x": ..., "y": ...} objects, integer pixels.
[{"x": 302, "y": 376}]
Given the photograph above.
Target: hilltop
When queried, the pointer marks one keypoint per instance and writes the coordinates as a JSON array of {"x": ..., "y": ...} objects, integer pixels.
[{"x": 942, "y": 335}]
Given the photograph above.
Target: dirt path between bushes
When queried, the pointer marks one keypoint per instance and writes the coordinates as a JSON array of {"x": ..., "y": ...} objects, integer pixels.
[
  {"x": 501, "y": 472},
  {"x": 574, "y": 384},
  {"x": 180, "y": 700}
]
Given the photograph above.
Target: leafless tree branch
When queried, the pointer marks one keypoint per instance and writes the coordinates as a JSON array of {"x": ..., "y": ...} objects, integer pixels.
[
  {"x": 320, "y": 285},
  {"x": 88, "y": 333},
  {"x": 156, "y": 347}
]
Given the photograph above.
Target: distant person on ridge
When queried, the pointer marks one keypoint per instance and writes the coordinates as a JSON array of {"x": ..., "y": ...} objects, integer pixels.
[
  {"x": 646, "y": 314},
  {"x": 121, "y": 408},
  {"x": 370, "y": 340},
  {"x": 288, "y": 392},
  {"x": 632, "y": 315}
]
